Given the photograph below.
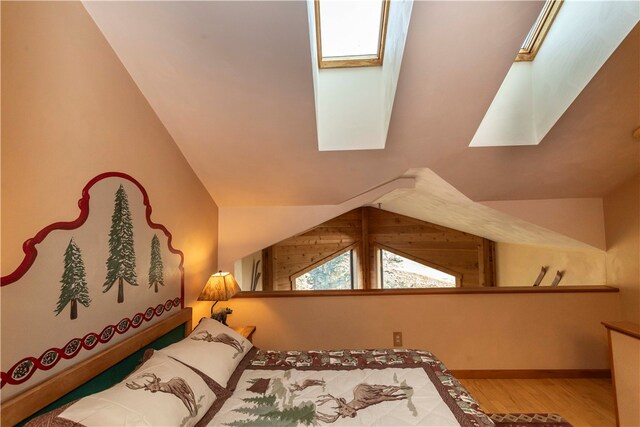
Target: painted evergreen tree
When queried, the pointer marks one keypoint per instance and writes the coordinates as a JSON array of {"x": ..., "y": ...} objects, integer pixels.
[
  {"x": 121, "y": 264},
  {"x": 74, "y": 282},
  {"x": 264, "y": 411},
  {"x": 156, "y": 276}
]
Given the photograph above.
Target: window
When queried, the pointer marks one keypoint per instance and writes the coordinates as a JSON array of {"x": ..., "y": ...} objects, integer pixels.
[
  {"x": 399, "y": 272},
  {"x": 350, "y": 33},
  {"x": 539, "y": 30},
  {"x": 337, "y": 273}
]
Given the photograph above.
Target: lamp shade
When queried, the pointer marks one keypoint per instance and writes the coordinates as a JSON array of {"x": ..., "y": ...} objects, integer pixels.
[{"x": 220, "y": 287}]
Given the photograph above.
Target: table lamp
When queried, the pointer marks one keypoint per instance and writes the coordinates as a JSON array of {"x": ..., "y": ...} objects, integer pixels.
[{"x": 220, "y": 287}]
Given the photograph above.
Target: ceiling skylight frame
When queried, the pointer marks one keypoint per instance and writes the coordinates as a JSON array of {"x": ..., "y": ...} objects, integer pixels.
[
  {"x": 539, "y": 31},
  {"x": 353, "y": 61}
]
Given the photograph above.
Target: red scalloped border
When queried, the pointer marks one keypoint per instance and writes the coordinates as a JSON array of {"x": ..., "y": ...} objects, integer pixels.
[
  {"x": 29, "y": 246},
  {"x": 52, "y": 356}
]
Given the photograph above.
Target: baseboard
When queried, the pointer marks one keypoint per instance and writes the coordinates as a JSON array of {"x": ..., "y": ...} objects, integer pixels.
[{"x": 530, "y": 373}]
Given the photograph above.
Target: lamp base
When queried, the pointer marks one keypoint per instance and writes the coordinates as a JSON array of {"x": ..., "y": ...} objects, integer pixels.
[
  {"x": 214, "y": 304},
  {"x": 221, "y": 315}
]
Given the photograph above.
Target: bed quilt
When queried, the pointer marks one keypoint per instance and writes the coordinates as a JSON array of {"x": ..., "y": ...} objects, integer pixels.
[{"x": 392, "y": 387}]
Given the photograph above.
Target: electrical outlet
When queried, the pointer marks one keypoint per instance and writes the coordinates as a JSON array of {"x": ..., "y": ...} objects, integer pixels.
[{"x": 397, "y": 339}]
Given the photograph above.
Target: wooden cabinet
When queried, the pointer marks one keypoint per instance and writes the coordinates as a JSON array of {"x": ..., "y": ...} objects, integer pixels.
[{"x": 624, "y": 356}]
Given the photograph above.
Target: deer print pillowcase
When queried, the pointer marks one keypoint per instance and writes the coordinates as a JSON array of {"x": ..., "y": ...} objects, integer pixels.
[
  {"x": 212, "y": 348},
  {"x": 162, "y": 392}
]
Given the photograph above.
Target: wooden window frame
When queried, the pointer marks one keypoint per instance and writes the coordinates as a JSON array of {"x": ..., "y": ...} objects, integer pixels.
[
  {"x": 380, "y": 247},
  {"x": 538, "y": 32},
  {"x": 351, "y": 248},
  {"x": 353, "y": 61}
]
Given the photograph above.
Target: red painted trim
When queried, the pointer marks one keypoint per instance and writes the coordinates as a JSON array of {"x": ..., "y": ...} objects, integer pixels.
[
  {"x": 52, "y": 356},
  {"x": 29, "y": 246}
]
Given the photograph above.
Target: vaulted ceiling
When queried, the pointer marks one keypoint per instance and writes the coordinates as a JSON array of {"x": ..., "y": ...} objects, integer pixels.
[{"x": 232, "y": 82}]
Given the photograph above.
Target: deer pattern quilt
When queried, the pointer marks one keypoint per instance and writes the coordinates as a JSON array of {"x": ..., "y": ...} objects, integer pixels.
[{"x": 390, "y": 387}]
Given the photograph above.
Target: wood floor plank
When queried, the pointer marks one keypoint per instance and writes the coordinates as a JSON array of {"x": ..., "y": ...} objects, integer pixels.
[{"x": 584, "y": 402}]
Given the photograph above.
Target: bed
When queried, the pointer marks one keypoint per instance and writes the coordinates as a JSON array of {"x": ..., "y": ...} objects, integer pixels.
[
  {"x": 346, "y": 387},
  {"x": 216, "y": 377}
]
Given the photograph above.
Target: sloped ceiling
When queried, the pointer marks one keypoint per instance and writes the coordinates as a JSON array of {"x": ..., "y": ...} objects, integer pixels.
[
  {"x": 232, "y": 83},
  {"x": 436, "y": 201}
]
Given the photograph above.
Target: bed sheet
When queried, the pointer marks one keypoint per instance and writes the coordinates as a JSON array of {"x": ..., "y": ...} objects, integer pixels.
[{"x": 386, "y": 387}]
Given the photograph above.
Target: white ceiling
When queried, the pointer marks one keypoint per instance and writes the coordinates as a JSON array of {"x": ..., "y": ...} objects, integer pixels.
[
  {"x": 232, "y": 82},
  {"x": 434, "y": 200}
]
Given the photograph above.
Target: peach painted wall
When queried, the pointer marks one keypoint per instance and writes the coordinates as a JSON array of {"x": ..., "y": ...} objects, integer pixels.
[
  {"x": 503, "y": 331},
  {"x": 622, "y": 223},
  {"x": 70, "y": 111},
  {"x": 519, "y": 265}
]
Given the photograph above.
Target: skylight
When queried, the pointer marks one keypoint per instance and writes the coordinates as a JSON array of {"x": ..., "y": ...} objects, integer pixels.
[
  {"x": 539, "y": 30},
  {"x": 350, "y": 33}
]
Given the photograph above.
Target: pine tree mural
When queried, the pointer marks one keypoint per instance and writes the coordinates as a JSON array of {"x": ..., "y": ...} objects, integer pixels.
[
  {"x": 74, "y": 282},
  {"x": 121, "y": 264},
  {"x": 265, "y": 411},
  {"x": 155, "y": 269}
]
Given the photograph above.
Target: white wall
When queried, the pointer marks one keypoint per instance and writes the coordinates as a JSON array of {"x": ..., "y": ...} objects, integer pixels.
[
  {"x": 244, "y": 271},
  {"x": 519, "y": 265}
]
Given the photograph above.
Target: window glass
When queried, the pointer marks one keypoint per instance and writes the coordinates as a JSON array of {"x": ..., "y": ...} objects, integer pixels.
[
  {"x": 350, "y": 28},
  {"x": 336, "y": 273},
  {"x": 400, "y": 272}
]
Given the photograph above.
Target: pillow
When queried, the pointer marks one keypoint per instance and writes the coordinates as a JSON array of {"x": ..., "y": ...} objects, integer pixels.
[
  {"x": 212, "y": 348},
  {"x": 162, "y": 392}
]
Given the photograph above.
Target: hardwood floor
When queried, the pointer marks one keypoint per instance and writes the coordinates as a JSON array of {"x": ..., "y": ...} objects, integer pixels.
[{"x": 581, "y": 401}]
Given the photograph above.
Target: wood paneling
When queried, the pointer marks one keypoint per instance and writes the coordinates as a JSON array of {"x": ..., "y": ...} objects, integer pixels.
[
  {"x": 267, "y": 269},
  {"x": 365, "y": 262},
  {"x": 470, "y": 258},
  {"x": 452, "y": 251},
  {"x": 304, "y": 250},
  {"x": 486, "y": 263}
]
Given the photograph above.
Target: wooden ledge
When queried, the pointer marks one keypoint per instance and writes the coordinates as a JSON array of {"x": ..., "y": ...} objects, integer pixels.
[
  {"x": 430, "y": 291},
  {"x": 626, "y": 328}
]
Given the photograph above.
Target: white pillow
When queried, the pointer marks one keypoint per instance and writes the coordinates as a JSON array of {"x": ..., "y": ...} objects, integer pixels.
[
  {"x": 212, "y": 348},
  {"x": 162, "y": 392}
]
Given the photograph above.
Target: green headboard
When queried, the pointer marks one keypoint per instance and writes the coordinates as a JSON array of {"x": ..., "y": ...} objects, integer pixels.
[{"x": 97, "y": 373}]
